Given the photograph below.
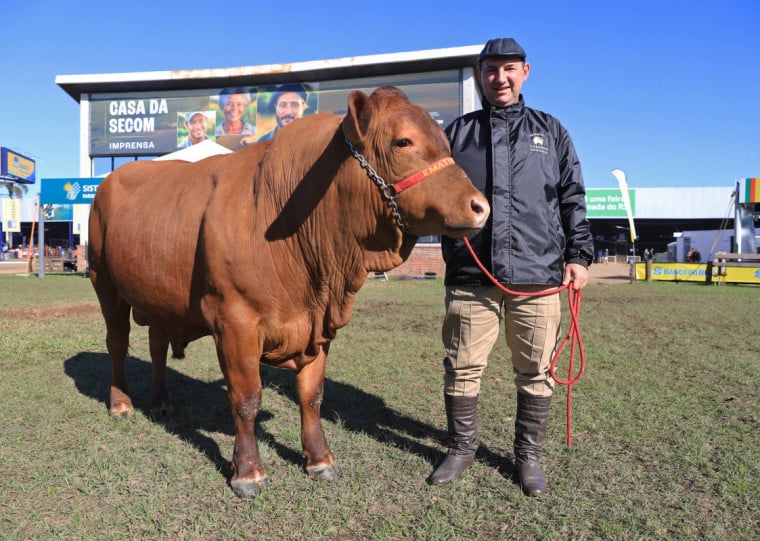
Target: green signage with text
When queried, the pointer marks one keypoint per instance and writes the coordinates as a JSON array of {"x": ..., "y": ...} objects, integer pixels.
[{"x": 608, "y": 203}]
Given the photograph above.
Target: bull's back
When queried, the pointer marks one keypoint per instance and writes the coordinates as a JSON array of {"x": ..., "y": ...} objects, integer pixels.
[{"x": 144, "y": 228}]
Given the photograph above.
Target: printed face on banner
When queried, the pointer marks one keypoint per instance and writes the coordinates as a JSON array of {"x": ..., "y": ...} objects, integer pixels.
[
  {"x": 194, "y": 127},
  {"x": 236, "y": 117},
  {"x": 281, "y": 105}
]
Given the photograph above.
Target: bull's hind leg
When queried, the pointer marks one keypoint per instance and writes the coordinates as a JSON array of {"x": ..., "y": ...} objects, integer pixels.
[
  {"x": 116, "y": 314},
  {"x": 160, "y": 404},
  {"x": 310, "y": 380}
]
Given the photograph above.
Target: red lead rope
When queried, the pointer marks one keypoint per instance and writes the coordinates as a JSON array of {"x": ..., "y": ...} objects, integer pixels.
[{"x": 573, "y": 335}]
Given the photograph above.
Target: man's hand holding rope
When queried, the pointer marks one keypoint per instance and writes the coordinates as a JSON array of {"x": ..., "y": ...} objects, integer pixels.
[{"x": 577, "y": 274}]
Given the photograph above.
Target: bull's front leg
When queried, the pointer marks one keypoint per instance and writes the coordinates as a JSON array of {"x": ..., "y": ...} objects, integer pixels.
[
  {"x": 310, "y": 380},
  {"x": 241, "y": 372},
  {"x": 249, "y": 477}
]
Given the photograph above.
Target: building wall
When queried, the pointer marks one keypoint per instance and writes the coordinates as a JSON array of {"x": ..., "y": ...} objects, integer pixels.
[
  {"x": 425, "y": 259},
  {"x": 685, "y": 203}
]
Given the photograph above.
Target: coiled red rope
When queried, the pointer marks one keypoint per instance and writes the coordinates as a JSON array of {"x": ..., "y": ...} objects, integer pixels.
[{"x": 573, "y": 336}]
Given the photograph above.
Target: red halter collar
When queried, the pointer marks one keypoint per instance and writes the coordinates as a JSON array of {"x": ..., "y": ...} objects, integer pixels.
[{"x": 422, "y": 174}]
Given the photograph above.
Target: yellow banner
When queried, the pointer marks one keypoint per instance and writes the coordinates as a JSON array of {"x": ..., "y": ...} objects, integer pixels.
[
  {"x": 20, "y": 166},
  {"x": 697, "y": 272},
  {"x": 740, "y": 275},
  {"x": 12, "y": 215},
  {"x": 673, "y": 272}
]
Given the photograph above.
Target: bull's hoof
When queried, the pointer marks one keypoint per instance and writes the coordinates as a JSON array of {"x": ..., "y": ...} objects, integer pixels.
[
  {"x": 164, "y": 410},
  {"x": 249, "y": 489},
  {"x": 121, "y": 412},
  {"x": 328, "y": 472}
]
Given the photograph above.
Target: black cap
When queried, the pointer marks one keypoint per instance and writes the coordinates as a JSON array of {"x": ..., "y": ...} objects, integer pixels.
[
  {"x": 295, "y": 88},
  {"x": 502, "y": 47}
]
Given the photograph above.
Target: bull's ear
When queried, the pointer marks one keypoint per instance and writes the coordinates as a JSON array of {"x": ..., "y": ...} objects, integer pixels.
[{"x": 356, "y": 121}]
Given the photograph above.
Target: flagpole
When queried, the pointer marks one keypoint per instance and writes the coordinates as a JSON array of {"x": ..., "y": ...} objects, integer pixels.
[{"x": 737, "y": 220}]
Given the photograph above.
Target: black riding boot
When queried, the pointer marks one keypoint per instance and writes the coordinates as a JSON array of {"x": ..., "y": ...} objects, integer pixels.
[
  {"x": 462, "y": 417},
  {"x": 531, "y": 423}
]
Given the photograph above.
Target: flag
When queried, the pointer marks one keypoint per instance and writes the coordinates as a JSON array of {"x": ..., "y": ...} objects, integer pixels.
[
  {"x": 620, "y": 176},
  {"x": 751, "y": 190}
]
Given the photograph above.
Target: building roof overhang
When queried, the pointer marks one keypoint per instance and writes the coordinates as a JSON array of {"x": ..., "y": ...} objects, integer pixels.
[{"x": 318, "y": 70}]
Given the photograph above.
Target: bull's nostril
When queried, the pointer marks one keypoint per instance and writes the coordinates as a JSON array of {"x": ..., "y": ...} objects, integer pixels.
[{"x": 478, "y": 207}]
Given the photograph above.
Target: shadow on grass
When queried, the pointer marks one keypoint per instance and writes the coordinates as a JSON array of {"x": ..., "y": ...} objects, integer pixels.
[
  {"x": 366, "y": 413},
  {"x": 204, "y": 407}
]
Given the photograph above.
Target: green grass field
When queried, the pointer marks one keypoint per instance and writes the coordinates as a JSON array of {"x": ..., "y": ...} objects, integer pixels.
[{"x": 666, "y": 425}]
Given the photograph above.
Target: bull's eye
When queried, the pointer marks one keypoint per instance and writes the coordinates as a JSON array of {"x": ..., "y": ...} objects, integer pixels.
[{"x": 403, "y": 143}]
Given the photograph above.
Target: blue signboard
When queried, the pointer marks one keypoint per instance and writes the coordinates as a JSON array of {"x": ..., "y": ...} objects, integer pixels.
[
  {"x": 15, "y": 167},
  {"x": 68, "y": 191}
]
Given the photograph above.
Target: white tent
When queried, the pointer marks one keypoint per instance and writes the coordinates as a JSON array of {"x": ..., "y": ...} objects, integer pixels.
[{"x": 196, "y": 152}]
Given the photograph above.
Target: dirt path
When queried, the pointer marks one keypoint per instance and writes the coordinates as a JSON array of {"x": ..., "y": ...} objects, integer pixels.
[
  {"x": 13, "y": 266},
  {"x": 609, "y": 273}
]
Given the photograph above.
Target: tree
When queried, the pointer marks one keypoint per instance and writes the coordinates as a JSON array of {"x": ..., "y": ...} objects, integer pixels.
[{"x": 14, "y": 189}]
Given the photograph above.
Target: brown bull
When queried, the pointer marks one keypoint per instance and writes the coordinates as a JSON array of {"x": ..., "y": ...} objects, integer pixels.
[{"x": 266, "y": 248}]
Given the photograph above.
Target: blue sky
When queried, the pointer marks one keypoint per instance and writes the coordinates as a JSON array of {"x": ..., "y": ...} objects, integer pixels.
[{"x": 668, "y": 91}]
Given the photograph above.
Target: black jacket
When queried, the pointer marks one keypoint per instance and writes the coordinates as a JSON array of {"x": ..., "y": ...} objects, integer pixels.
[{"x": 525, "y": 163}]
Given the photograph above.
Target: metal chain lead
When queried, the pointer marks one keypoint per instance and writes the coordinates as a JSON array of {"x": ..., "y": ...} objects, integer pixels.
[{"x": 386, "y": 190}]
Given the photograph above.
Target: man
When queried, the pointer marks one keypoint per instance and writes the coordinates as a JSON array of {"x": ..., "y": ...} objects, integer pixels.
[
  {"x": 290, "y": 102},
  {"x": 537, "y": 238},
  {"x": 195, "y": 124}
]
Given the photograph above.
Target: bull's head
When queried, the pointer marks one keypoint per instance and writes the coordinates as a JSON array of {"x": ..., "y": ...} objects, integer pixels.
[{"x": 406, "y": 153}]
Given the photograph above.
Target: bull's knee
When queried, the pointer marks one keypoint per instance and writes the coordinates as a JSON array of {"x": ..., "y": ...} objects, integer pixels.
[
  {"x": 315, "y": 401},
  {"x": 247, "y": 407}
]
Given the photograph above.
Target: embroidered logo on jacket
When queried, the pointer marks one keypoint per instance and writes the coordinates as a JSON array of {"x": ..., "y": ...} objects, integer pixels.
[{"x": 538, "y": 143}]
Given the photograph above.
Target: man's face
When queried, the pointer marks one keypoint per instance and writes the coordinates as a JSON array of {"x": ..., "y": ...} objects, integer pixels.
[
  {"x": 197, "y": 127},
  {"x": 501, "y": 79},
  {"x": 290, "y": 106},
  {"x": 235, "y": 107}
]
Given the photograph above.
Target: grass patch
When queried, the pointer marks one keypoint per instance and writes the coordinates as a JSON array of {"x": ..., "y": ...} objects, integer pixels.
[{"x": 665, "y": 425}]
